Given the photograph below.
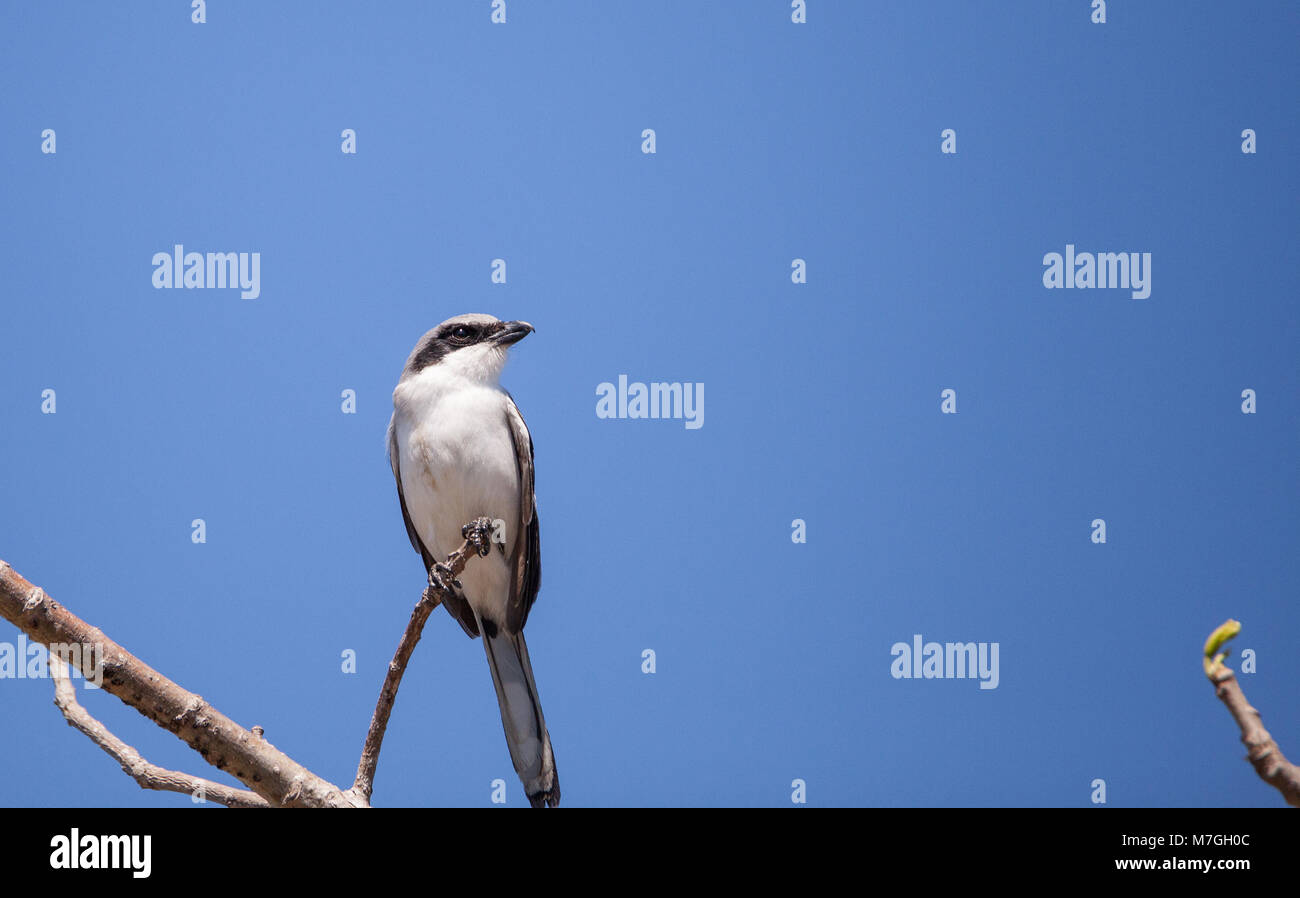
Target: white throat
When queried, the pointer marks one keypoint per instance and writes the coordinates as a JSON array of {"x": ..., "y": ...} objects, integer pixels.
[{"x": 480, "y": 364}]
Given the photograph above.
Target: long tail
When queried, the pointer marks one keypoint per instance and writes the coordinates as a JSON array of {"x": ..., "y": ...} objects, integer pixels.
[{"x": 521, "y": 715}]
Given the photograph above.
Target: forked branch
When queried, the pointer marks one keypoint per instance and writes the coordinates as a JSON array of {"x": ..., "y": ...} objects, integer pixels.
[
  {"x": 272, "y": 777},
  {"x": 148, "y": 775}
]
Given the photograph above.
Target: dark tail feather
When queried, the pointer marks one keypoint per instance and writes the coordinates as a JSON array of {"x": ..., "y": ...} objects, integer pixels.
[{"x": 521, "y": 715}]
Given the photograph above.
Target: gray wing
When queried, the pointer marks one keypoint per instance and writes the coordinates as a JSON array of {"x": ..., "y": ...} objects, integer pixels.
[
  {"x": 526, "y": 559},
  {"x": 457, "y": 605}
]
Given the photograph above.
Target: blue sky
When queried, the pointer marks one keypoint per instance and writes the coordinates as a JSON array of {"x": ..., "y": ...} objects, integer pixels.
[{"x": 774, "y": 141}]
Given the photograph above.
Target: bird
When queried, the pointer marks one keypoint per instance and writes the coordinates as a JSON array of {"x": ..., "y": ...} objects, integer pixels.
[{"x": 461, "y": 453}]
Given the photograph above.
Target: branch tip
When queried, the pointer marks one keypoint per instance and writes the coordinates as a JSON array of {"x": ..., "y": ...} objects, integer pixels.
[{"x": 1213, "y": 660}]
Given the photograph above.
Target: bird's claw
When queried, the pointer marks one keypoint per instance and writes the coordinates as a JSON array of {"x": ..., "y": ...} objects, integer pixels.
[
  {"x": 479, "y": 534},
  {"x": 441, "y": 577}
]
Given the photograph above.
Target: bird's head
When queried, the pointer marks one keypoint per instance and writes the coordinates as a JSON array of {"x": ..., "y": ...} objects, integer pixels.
[{"x": 472, "y": 346}]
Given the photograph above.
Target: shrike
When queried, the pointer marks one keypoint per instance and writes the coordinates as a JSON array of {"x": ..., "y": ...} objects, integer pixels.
[{"x": 460, "y": 451}]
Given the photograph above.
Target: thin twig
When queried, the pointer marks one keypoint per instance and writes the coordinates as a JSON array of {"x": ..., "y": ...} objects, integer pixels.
[
  {"x": 148, "y": 775},
  {"x": 429, "y": 600}
]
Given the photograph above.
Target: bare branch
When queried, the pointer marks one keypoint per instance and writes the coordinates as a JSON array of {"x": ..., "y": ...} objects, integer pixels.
[
  {"x": 223, "y": 743},
  {"x": 1262, "y": 752},
  {"x": 274, "y": 778},
  {"x": 430, "y": 600},
  {"x": 148, "y": 775}
]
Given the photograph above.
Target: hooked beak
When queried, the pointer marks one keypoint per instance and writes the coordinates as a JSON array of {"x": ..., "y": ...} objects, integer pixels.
[{"x": 512, "y": 332}]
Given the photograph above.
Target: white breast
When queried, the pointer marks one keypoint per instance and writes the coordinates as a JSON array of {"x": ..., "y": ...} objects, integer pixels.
[{"x": 457, "y": 464}]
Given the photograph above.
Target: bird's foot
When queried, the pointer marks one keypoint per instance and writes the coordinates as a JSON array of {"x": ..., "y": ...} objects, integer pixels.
[
  {"x": 479, "y": 534},
  {"x": 442, "y": 578}
]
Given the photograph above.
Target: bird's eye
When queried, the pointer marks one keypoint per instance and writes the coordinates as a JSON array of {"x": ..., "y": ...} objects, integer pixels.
[{"x": 462, "y": 332}]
